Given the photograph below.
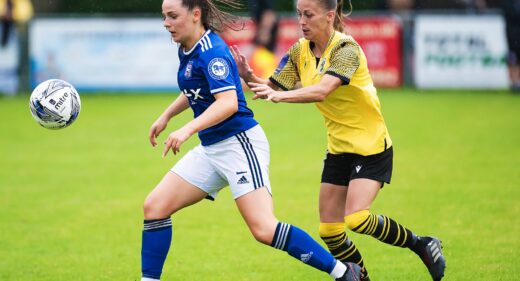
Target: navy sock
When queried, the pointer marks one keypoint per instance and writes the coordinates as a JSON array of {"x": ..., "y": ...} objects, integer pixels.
[
  {"x": 300, "y": 245},
  {"x": 157, "y": 237}
]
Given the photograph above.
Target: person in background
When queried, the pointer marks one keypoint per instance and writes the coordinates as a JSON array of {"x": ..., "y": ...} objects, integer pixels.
[
  {"x": 511, "y": 9},
  {"x": 262, "y": 59},
  {"x": 266, "y": 21},
  {"x": 13, "y": 12},
  {"x": 333, "y": 72},
  {"x": 7, "y": 21},
  {"x": 14, "y": 15}
]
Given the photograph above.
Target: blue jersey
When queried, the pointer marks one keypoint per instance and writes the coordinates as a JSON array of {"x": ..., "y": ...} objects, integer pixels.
[{"x": 208, "y": 69}]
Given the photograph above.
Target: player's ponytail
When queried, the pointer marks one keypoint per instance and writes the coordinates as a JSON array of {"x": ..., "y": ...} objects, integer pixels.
[
  {"x": 337, "y": 5},
  {"x": 338, "y": 21},
  {"x": 212, "y": 16}
]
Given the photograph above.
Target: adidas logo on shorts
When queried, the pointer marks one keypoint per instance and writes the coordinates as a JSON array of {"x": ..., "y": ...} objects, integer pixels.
[{"x": 242, "y": 180}]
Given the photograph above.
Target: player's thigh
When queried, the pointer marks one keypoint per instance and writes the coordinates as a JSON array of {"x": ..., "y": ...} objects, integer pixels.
[
  {"x": 256, "y": 208},
  {"x": 361, "y": 193},
  {"x": 367, "y": 178},
  {"x": 170, "y": 195},
  {"x": 243, "y": 160},
  {"x": 333, "y": 189},
  {"x": 332, "y": 202},
  {"x": 196, "y": 168}
]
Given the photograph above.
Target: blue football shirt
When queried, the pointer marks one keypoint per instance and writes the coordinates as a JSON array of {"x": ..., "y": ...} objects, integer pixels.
[{"x": 208, "y": 69}]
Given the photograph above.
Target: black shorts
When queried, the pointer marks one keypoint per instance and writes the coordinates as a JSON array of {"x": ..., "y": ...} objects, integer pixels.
[{"x": 340, "y": 169}]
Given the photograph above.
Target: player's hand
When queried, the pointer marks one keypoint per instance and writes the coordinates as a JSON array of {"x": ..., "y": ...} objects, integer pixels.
[
  {"x": 176, "y": 139},
  {"x": 156, "y": 129},
  {"x": 263, "y": 91},
  {"x": 244, "y": 70}
]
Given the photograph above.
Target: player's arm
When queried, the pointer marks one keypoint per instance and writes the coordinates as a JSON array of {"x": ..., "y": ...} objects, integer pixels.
[
  {"x": 244, "y": 69},
  {"x": 180, "y": 104},
  {"x": 313, "y": 93},
  {"x": 344, "y": 63},
  {"x": 225, "y": 105}
]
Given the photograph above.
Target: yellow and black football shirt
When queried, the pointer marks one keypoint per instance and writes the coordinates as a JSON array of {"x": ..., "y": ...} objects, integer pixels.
[{"x": 352, "y": 112}]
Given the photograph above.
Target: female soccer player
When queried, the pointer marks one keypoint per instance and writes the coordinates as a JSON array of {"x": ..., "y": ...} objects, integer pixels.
[
  {"x": 234, "y": 150},
  {"x": 333, "y": 73}
]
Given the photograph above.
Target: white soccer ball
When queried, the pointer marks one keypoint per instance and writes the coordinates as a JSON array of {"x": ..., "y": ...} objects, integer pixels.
[{"x": 55, "y": 104}]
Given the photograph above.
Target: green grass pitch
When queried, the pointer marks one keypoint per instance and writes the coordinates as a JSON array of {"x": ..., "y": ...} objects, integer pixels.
[{"x": 71, "y": 200}]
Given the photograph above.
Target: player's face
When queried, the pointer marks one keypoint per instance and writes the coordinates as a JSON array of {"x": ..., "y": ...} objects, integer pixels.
[
  {"x": 178, "y": 20},
  {"x": 314, "y": 20}
]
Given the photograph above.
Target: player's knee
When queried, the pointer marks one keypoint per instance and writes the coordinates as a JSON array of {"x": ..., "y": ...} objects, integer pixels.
[
  {"x": 354, "y": 220},
  {"x": 155, "y": 210},
  {"x": 331, "y": 229},
  {"x": 263, "y": 232},
  {"x": 263, "y": 235}
]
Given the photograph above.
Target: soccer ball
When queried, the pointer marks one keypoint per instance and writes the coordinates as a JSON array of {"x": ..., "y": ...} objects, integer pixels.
[{"x": 55, "y": 104}]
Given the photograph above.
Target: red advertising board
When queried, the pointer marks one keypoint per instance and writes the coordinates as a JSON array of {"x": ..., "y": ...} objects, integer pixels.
[{"x": 380, "y": 38}]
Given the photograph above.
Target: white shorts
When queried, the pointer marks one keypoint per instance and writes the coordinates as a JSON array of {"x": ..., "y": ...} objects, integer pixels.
[{"x": 241, "y": 161}]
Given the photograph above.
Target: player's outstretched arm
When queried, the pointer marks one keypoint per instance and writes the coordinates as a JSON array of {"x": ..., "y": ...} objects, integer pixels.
[
  {"x": 179, "y": 105},
  {"x": 313, "y": 93}
]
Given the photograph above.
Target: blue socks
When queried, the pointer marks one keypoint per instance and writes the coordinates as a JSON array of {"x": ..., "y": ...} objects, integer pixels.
[
  {"x": 157, "y": 237},
  {"x": 300, "y": 245}
]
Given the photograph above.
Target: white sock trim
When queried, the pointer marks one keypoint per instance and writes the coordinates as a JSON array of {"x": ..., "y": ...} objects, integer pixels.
[
  {"x": 339, "y": 270},
  {"x": 149, "y": 279}
]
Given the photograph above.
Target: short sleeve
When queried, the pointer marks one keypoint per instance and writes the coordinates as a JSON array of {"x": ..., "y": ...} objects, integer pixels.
[
  {"x": 286, "y": 74},
  {"x": 218, "y": 69},
  {"x": 344, "y": 61}
]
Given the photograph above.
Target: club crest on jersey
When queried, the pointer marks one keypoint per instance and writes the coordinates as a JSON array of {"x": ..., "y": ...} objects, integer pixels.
[
  {"x": 322, "y": 65},
  {"x": 218, "y": 69},
  {"x": 187, "y": 73}
]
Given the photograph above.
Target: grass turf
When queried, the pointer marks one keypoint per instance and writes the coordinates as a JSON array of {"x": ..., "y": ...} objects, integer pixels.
[{"x": 71, "y": 200}]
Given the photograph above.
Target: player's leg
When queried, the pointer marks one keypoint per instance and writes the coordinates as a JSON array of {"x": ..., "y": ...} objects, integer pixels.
[
  {"x": 256, "y": 208},
  {"x": 332, "y": 225},
  {"x": 333, "y": 194},
  {"x": 244, "y": 161},
  {"x": 367, "y": 177},
  {"x": 191, "y": 180},
  {"x": 170, "y": 195},
  {"x": 361, "y": 194}
]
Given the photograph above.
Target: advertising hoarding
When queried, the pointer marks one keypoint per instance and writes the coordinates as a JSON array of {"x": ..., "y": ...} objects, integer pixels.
[
  {"x": 104, "y": 54},
  {"x": 380, "y": 38},
  {"x": 460, "y": 51}
]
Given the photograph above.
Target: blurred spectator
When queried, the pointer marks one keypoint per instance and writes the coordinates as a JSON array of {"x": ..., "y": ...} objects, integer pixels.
[
  {"x": 6, "y": 14},
  {"x": 511, "y": 10},
  {"x": 262, "y": 60},
  {"x": 396, "y": 5},
  {"x": 18, "y": 11},
  {"x": 266, "y": 22},
  {"x": 13, "y": 15}
]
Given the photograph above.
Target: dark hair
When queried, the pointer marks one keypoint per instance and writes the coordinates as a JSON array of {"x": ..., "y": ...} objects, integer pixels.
[
  {"x": 338, "y": 6},
  {"x": 212, "y": 17}
]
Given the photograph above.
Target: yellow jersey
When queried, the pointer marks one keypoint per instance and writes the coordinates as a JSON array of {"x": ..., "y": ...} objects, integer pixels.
[{"x": 352, "y": 112}]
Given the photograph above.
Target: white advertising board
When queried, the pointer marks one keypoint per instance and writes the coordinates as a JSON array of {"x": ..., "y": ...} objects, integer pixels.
[
  {"x": 104, "y": 54},
  {"x": 462, "y": 51}
]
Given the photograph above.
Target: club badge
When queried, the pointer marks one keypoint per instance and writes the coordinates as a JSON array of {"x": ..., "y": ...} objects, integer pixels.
[{"x": 218, "y": 69}]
